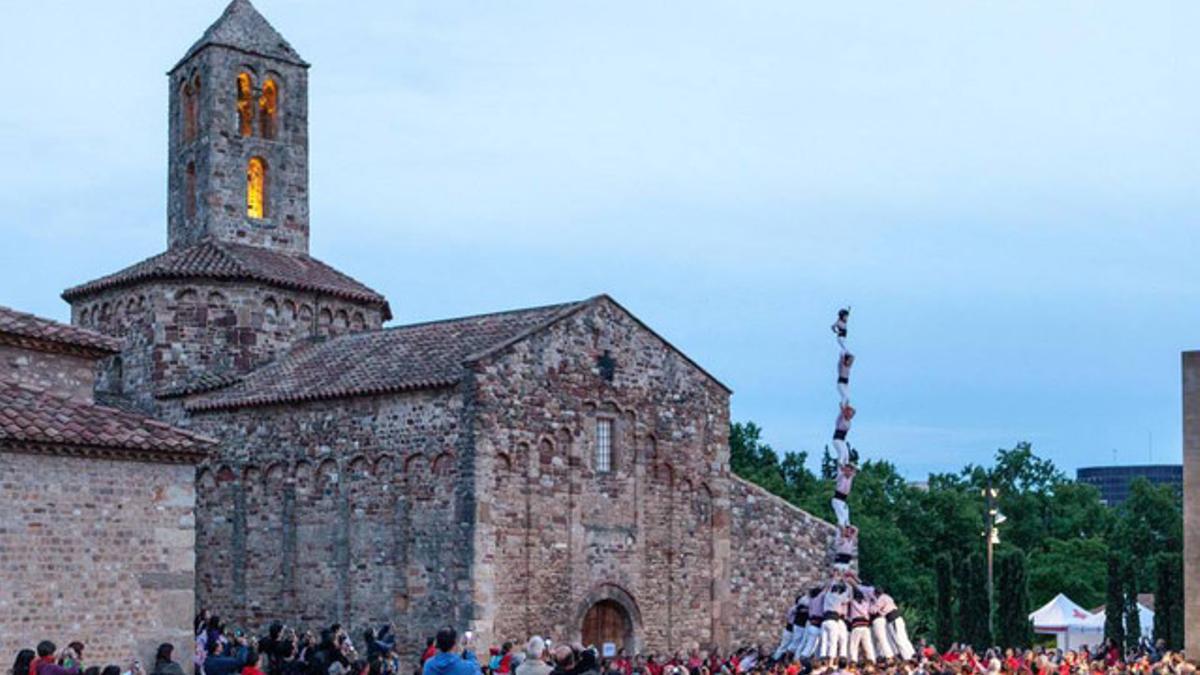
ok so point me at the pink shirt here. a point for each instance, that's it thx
(884, 604)
(859, 609)
(816, 606)
(847, 545)
(844, 481)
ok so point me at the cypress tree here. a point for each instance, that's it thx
(945, 602)
(1168, 599)
(973, 602)
(1012, 590)
(1114, 607)
(1133, 618)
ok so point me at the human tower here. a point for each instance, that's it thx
(844, 617)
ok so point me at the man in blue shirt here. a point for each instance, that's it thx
(447, 663)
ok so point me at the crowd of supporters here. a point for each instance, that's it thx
(334, 651)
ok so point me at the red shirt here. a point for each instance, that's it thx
(429, 652)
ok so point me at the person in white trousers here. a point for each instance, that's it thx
(897, 632)
(841, 427)
(841, 492)
(883, 644)
(835, 638)
(816, 615)
(845, 362)
(860, 628)
(789, 630)
(845, 549)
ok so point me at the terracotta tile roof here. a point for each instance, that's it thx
(32, 418)
(417, 356)
(211, 259)
(30, 329)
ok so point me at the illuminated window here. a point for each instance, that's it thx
(190, 193)
(256, 188)
(245, 105)
(267, 109)
(604, 445)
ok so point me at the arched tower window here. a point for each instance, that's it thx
(268, 109)
(256, 188)
(245, 105)
(189, 206)
(190, 106)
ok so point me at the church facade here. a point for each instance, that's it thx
(559, 470)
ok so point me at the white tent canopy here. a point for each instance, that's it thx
(1073, 625)
(1145, 618)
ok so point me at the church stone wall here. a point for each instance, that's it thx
(555, 534)
(356, 510)
(779, 552)
(96, 550)
(174, 332)
(64, 374)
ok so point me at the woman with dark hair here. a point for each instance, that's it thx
(21, 663)
(163, 665)
(111, 670)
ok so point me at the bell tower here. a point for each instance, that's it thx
(238, 149)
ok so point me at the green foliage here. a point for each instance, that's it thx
(1133, 619)
(974, 623)
(1075, 567)
(1061, 530)
(1012, 599)
(1114, 606)
(945, 602)
(1168, 599)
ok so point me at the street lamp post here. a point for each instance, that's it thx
(994, 518)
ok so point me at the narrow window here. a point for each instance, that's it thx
(604, 445)
(245, 105)
(267, 109)
(256, 188)
(194, 108)
(187, 105)
(190, 194)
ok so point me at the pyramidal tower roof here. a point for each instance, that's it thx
(241, 27)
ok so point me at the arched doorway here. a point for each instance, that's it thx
(607, 622)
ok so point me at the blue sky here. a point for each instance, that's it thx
(1005, 191)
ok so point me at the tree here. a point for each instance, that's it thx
(945, 602)
(1114, 608)
(1133, 619)
(1168, 599)
(1075, 567)
(974, 628)
(1012, 617)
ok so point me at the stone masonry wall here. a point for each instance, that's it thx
(96, 550)
(779, 551)
(1190, 367)
(556, 535)
(174, 332)
(64, 374)
(355, 510)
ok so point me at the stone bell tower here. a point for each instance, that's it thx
(238, 167)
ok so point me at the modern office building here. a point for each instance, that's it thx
(1113, 481)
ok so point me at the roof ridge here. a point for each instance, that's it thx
(486, 315)
(567, 310)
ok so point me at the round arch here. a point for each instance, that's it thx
(608, 613)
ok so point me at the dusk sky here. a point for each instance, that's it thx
(1006, 192)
